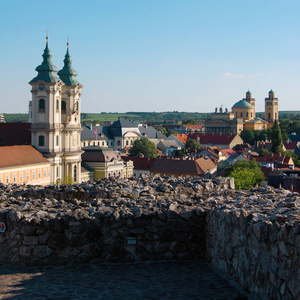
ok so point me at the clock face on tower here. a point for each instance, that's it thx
(41, 87)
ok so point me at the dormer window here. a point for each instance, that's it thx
(41, 105)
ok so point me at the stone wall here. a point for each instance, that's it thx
(252, 236)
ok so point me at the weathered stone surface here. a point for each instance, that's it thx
(253, 236)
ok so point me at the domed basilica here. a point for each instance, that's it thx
(242, 116)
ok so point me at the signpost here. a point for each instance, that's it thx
(2, 227)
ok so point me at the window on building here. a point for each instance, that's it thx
(27, 175)
(57, 104)
(56, 140)
(127, 143)
(56, 171)
(76, 106)
(41, 140)
(269, 116)
(63, 107)
(21, 176)
(0, 177)
(241, 115)
(40, 174)
(45, 173)
(247, 114)
(118, 143)
(33, 175)
(275, 115)
(41, 105)
(7, 178)
(48, 172)
(75, 174)
(14, 177)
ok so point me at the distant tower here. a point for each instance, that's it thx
(249, 98)
(271, 108)
(55, 117)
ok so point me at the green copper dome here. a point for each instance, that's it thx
(248, 93)
(242, 103)
(46, 71)
(67, 74)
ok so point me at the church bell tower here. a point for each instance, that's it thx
(55, 117)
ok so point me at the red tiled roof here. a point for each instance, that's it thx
(266, 171)
(12, 156)
(272, 158)
(290, 145)
(179, 166)
(221, 139)
(181, 137)
(140, 163)
(229, 152)
(15, 134)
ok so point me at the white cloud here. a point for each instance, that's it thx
(236, 76)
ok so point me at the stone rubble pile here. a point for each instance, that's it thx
(253, 236)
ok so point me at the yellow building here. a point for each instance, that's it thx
(23, 165)
(243, 116)
(106, 163)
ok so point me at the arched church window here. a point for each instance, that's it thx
(118, 143)
(127, 143)
(57, 104)
(42, 105)
(76, 106)
(241, 115)
(247, 114)
(41, 140)
(63, 106)
(269, 116)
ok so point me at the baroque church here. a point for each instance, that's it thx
(54, 114)
(243, 116)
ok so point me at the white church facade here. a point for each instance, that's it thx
(54, 114)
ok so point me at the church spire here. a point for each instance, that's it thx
(67, 74)
(46, 71)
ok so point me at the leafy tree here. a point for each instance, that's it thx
(143, 146)
(247, 136)
(264, 151)
(246, 174)
(172, 132)
(192, 145)
(276, 138)
(163, 130)
(179, 153)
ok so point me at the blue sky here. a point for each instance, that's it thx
(148, 55)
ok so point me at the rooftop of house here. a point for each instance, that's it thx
(181, 137)
(290, 145)
(96, 154)
(140, 163)
(15, 134)
(183, 166)
(214, 139)
(13, 156)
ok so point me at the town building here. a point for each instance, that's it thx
(243, 116)
(107, 163)
(24, 165)
(222, 141)
(2, 119)
(54, 114)
(119, 135)
(184, 167)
